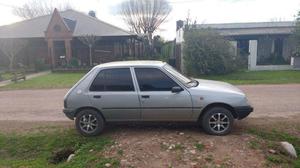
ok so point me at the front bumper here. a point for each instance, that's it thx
(69, 113)
(243, 111)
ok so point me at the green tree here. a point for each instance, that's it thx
(162, 49)
(207, 52)
(296, 36)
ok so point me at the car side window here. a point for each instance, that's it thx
(152, 79)
(113, 80)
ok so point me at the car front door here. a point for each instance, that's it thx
(158, 102)
(113, 92)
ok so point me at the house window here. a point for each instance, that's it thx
(243, 46)
(278, 47)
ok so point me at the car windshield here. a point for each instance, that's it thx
(180, 77)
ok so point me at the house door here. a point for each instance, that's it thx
(60, 53)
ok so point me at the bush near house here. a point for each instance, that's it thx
(207, 52)
(166, 49)
(40, 65)
(161, 50)
(296, 36)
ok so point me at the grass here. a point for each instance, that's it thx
(35, 150)
(50, 81)
(272, 139)
(254, 144)
(67, 80)
(178, 147)
(275, 159)
(258, 77)
(199, 146)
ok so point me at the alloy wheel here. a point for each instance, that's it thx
(219, 122)
(88, 123)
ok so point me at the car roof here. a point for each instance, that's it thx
(132, 63)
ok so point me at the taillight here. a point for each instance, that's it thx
(65, 103)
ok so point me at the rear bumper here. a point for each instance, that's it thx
(69, 113)
(243, 111)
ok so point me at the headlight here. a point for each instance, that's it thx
(248, 101)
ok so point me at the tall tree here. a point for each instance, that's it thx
(35, 8)
(145, 16)
(10, 48)
(90, 41)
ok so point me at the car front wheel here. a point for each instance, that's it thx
(89, 122)
(217, 121)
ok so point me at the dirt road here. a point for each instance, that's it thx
(46, 105)
(274, 100)
(164, 146)
(32, 105)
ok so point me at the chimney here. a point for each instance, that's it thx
(92, 13)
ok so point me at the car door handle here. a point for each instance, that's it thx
(97, 96)
(145, 96)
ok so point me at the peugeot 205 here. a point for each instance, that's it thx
(134, 91)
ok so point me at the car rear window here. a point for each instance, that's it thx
(113, 80)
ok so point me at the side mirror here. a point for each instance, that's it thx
(176, 89)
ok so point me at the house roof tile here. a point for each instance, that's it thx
(80, 23)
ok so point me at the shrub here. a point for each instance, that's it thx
(74, 63)
(296, 37)
(165, 51)
(40, 65)
(207, 52)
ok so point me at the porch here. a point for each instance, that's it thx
(265, 52)
(78, 55)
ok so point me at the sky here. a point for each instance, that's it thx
(204, 11)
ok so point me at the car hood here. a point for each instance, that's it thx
(217, 86)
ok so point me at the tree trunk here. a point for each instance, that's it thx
(11, 62)
(11, 66)
(150, 40)
(91, 57)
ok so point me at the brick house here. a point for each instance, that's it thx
(55, 39)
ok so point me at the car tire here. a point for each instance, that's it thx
(89, 122)
(217, 121)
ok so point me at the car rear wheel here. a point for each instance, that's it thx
(89, 122)
(217, 121)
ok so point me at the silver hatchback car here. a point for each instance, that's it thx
(133, 91)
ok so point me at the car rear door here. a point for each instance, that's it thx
(113, 92)
(158, 103)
